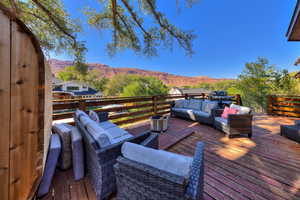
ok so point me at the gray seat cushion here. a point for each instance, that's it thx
(65, 159)
(116, 134)
(221, 120)
(207, 106)
(98, 133)
(77, 154)
(107, 125)
(201, 113)
(163, 160)
(186, 103)
(79, 113)
(179, 104)
(51, 162)
(195, 104)
(180, 110)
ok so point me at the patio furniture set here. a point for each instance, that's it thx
(234, 120)
(114, 160)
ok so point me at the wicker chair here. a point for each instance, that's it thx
(236, 124)
(99, 162)
(136, 181)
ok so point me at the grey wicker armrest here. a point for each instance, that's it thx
(139, 181)
(133, 177)
(196, 181)
(238, 120)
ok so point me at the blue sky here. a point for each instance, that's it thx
(229, 34)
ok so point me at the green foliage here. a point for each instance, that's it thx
(95, 79)
(92, 77)
(116, 85)
(134, 85)
(260, 79)
(125, 19)
(221, 85)
(56, 31)
(68, 74)
(50, 23)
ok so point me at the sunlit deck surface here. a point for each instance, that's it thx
(264, 167)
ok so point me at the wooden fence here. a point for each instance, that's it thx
(123, 110)
(284, 105)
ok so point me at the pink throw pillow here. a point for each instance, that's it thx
(228, 111)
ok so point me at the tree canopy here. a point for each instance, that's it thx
(260, 79)
(91, 77)
(125, 19)
(135, 85)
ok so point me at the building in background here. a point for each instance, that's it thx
(183, 91)
(74, 89)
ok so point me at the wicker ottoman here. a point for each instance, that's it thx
(291, 131)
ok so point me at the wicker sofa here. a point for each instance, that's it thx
(139, 181)
(195, 109)
(99, 160)
(235, 124)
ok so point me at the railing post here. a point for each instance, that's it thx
(186, 96)
(270, 105)
(203, 96)
(154, 103)
(238, 99)
(82, 105)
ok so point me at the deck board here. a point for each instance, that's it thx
(261, 168)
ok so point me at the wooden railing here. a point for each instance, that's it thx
(283, 105)
(123, 110)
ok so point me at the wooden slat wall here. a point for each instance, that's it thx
(284, 105)
(22, 109)
(4, 105)
(136, 108)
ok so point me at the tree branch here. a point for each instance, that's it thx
(114, 11)
(158, 19)
(127, 27)
(52, 18)
(134, 17)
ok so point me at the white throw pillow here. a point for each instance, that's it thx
(94, 116)
(242, 110)
(166, 161)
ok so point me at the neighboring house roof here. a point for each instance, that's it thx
(293, 33)
(191, 90)
(90, 91)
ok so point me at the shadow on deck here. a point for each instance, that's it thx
(264, 167)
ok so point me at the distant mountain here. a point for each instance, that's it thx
(107, 71)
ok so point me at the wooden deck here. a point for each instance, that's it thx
(264, 167)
